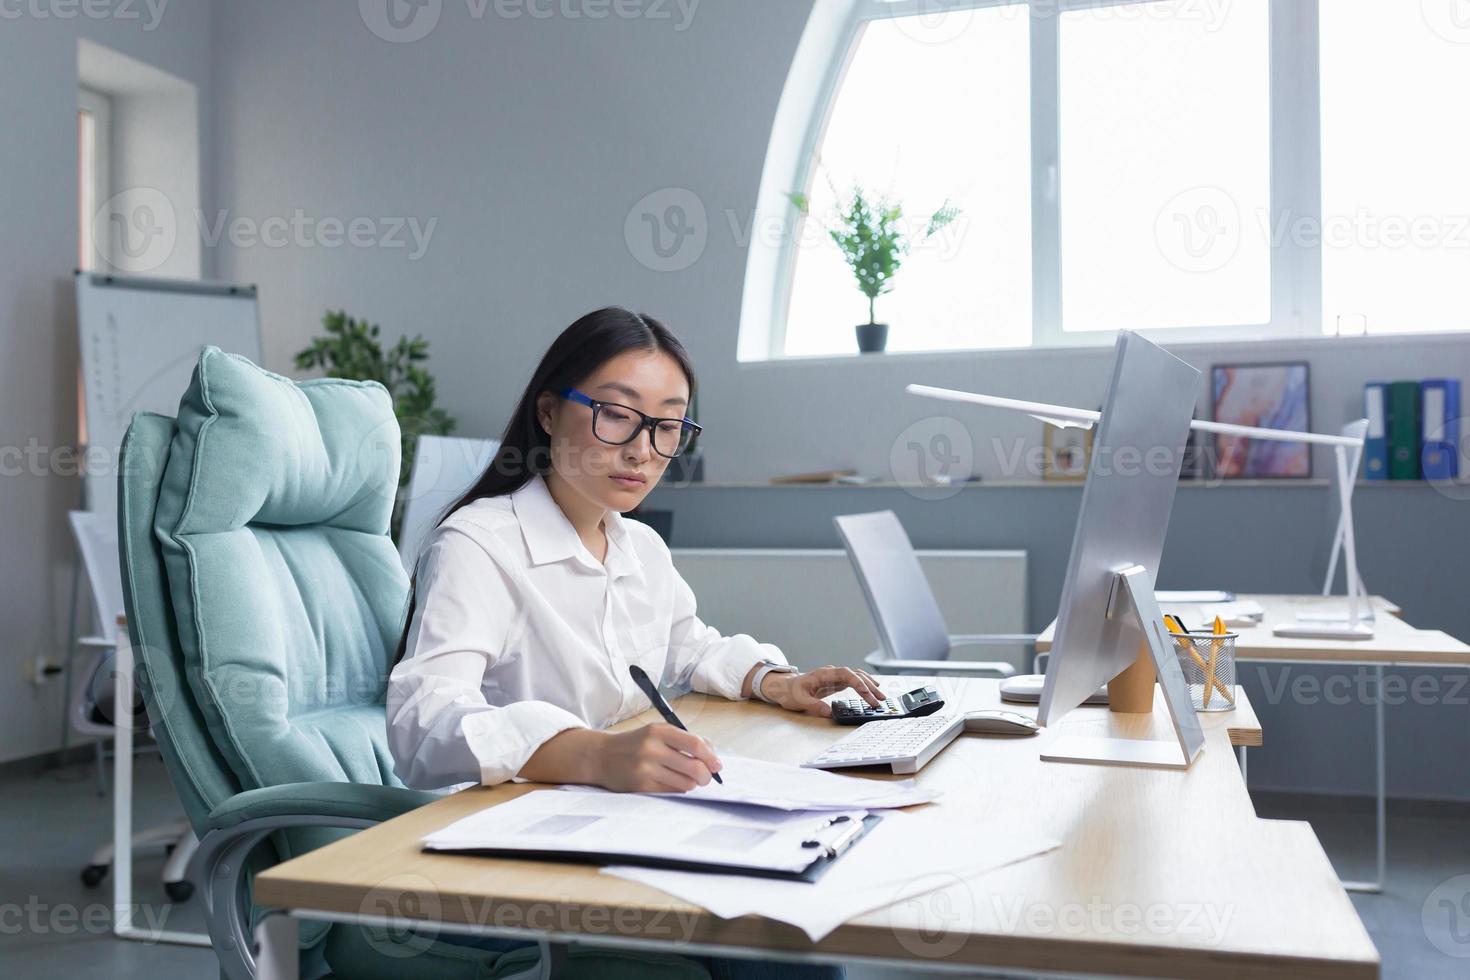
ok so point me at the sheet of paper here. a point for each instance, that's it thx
(1198, 596)
(1244, 612)
(783, 787)
(904, 856)
(641, 826)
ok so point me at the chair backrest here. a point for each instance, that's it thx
(444, 467)
(263, 593)
(96, 535)
(197, 769)
(910, 625)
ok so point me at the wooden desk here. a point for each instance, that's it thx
(1160, 873)
(1394, 644)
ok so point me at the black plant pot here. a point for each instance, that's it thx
(872, 337)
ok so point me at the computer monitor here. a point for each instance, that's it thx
(1108, 610)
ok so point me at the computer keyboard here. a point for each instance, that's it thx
(904, 744)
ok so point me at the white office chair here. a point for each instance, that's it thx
(90, 702)
(910, 626)
(443, 468)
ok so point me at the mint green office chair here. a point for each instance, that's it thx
(264, 601)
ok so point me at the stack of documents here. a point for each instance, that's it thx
(797, 845)
(1241, 614)
(606, 827)
(905, 856)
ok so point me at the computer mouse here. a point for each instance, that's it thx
(1000, 723)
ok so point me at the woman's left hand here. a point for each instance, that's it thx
(805, 692)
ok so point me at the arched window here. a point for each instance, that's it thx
(931, 112)
(1112, 162)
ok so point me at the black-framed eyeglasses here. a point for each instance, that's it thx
(618, 425)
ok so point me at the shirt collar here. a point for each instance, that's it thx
(622, 557)
(550, 536)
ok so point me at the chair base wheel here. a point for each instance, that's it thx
(179, 891)
(93, 874)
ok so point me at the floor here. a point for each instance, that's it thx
(51, 926)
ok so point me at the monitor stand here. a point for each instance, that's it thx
(1133, 598)
(1358, 623)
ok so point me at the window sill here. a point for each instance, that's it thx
(1105, 341)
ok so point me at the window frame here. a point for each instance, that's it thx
(99, 107)
(833, 35)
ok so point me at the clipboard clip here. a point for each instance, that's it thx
(850, 833)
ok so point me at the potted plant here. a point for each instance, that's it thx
(351, 349)
(869, 231)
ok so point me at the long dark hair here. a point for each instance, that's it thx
(525, 447)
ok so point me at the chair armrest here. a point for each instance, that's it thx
(351, 801)
(245, 819)
(951, 668)
(992, 640)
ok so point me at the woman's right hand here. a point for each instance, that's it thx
(658, 758)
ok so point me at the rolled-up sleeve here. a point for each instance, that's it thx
(702, 658)
(441, 729)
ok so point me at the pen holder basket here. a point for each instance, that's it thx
(1208, 662)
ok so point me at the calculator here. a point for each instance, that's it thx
(917, 703)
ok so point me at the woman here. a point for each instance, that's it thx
(535, 595)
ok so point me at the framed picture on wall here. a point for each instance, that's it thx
(1068, 452)
(1271, 396)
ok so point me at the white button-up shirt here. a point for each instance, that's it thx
(519, 634)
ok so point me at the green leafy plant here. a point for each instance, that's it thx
(869, 231)
(353, 349)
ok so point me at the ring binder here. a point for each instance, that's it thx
(843, 841)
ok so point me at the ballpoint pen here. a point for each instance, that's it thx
(1175, 626)
(1217, 629)
(645, 683)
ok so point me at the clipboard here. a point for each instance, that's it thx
(828, 846)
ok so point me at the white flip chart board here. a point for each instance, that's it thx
(140, 339)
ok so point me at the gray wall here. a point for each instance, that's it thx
(38, 347)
